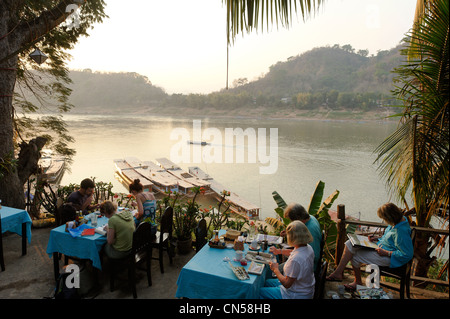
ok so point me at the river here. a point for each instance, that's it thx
(340, 153)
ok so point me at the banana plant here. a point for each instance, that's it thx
(317, 208)
(279, 223)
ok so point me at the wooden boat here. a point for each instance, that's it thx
(127, 172)
(52, 166)
(167, 176)
(238, 204)
(163, 179)
(181, 174)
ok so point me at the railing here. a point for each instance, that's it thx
(342, 237)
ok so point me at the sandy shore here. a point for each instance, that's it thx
(274, 113)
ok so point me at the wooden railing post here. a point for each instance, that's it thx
(341, 233)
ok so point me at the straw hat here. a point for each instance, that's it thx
(298, 233)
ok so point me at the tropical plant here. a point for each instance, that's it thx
(279, 223)
(219, 217)
(186, 216)
(317, 208)
(414, 160)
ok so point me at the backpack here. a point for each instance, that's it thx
(64, 292)
(86, 284)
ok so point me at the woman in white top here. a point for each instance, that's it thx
(298, 279)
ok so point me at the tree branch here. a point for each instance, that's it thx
(29, 32)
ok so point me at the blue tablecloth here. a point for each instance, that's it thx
(84, 247)
(12, 220)
(207, 276)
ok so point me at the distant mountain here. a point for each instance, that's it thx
(329, 68)
(94, 91)
(333, 77)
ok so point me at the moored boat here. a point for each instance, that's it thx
(52, 166)
(238, 205)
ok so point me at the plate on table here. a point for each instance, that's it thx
(254, 249)
(255, 268)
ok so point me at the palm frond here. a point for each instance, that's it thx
(415, 157)
(247, 15)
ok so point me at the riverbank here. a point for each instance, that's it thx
(273, 113)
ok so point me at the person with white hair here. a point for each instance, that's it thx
(298, 280)
(295, 211)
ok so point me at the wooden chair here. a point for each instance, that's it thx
(65, 213)
(402, 273)
(142, 250)
(200, 235)
(2, 260)
(320, 281)
(163, 238)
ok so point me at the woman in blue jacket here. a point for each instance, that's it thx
(395, 247)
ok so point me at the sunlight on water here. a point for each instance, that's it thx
(338, 153)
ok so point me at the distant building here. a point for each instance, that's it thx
(286, 100)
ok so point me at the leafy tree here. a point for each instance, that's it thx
(24, 26)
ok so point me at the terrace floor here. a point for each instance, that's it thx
(31, 276)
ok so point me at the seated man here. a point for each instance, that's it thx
(83, 197)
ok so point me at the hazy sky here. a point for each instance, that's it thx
(181, 45)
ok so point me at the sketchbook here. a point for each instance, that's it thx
(362, 241)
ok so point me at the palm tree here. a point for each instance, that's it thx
(415, 158)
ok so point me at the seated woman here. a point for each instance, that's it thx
(146, 204)
(395, 247)
(119, 231)
(298, 279)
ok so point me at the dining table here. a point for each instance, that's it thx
(16, 221)
(209, 275)
(86, 247)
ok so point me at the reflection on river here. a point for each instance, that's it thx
(338, 153)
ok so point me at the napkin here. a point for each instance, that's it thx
(100, 230)
(78, 231)
(88, 232)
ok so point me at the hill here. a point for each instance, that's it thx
(325, 79)
(330, 68)
(107, 91)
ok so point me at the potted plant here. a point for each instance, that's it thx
(185, 221)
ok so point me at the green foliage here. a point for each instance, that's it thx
(415, 158)
(7, 164)
(46, 88)
(280, 222)
(316, 207)
(112, 91)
